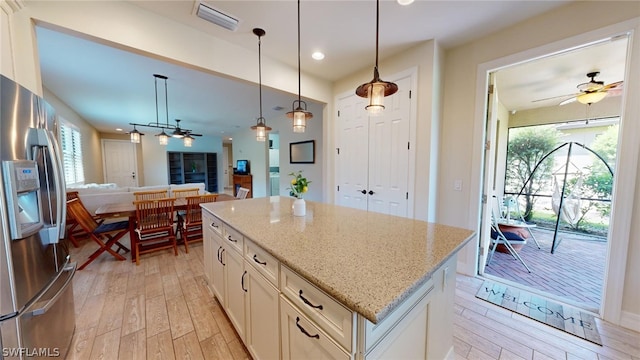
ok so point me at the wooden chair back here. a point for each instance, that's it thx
(154, 215)
(72, 195)
(183, 193)
(193, 214)
(150, 195)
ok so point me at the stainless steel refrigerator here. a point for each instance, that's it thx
(37, 317)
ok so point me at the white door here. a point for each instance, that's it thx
(352, 160)
(225, 166)
(372, 160)
(120, 162)
(389, 154)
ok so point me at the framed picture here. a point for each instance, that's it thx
(302, 152)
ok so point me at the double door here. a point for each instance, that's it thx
(373, 153)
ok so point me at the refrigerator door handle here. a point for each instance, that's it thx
(58, 173)
(43, 310)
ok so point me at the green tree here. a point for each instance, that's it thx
(526, 148)
(598, 183)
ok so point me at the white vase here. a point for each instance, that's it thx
(299, 207)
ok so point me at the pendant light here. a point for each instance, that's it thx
(376, 89)
(299, 114)
(261, 128)
(187, 140)
(134, 135)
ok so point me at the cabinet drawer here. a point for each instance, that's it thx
(233, 238)
(266, 264)
(330, 315)
(302, 339)
(212, 222)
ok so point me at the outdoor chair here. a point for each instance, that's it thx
(106, 235)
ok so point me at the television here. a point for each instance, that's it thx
(242, 167)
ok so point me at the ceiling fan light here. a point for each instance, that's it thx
(591, 97)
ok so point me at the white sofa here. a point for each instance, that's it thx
(95, 195)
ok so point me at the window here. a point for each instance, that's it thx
(71, 143)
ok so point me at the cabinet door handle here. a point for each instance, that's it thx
(371, 192)
(214, 225)
(222, 252)
(242, 281)
(319, 307)
(364, 192)
(219, 255)
(230, 239)
(317, 336)
(255, 258)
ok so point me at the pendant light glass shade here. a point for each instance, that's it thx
(134, 135)
(163, 138)
(299, 114)
(376, 89)
(261, 128)
(187, 140)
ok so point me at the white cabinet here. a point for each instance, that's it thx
(262, 336)
(235, 289)
(373, 153)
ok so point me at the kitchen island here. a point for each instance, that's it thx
(337, 283)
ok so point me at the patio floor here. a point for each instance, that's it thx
(574, 273)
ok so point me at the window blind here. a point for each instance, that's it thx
(71, 140)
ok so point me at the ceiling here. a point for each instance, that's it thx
(110, 87)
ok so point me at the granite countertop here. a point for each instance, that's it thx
(369, 262)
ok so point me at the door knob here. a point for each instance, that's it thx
(364, 192)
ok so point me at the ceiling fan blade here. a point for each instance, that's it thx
(615, 85)
(554, 97)
(569, 101)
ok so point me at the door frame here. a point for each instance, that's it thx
(104, 160)
(622, 211)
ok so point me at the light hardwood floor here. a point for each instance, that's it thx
(162, 309)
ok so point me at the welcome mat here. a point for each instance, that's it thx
(565, 318)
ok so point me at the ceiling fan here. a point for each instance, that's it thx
(180, 133)
(591, 91)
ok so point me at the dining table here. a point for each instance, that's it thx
(128, 210)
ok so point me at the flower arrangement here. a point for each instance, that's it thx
(299, 184)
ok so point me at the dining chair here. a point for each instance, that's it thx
(154, 226)
(505, 239)
(106, 235)
(242, 193)
(150, 194)
(181, 194)
(192, 224)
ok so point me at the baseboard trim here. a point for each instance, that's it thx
(630, 321)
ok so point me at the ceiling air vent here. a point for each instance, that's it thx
(210, 14)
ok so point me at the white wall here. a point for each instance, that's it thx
(463, 112)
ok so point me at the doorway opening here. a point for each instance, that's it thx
(550, 165)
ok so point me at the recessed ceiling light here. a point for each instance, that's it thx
(405, 2)
(118, 129)
(317, 55)
(230, 138)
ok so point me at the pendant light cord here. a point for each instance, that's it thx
(166, 101)
(157, 116)
(260, 71)
(299, 91)
(377, 28)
